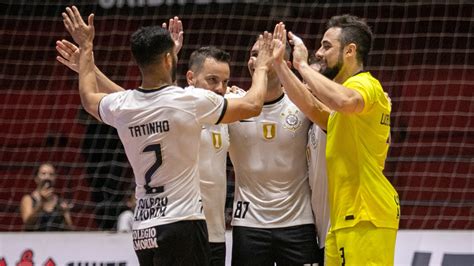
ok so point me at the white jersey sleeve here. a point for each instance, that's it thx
(207, 106)
(108, 104)
(316, 155)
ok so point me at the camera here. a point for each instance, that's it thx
(46, 184)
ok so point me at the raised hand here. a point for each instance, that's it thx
(82, 33)
(264, 58)
(279, 42)
(46, 193)
(66, 206)
(69, 54)
(176, 30)
(300, 52)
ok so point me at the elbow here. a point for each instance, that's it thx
(340, 105)
(87, 106)
(255, 109)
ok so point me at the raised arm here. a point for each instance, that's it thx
(83, 35)
(333, 95)
(251, 104)
(70, 58)
(295, 89)
(175, 27)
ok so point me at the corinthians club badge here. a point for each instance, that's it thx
(292, 121)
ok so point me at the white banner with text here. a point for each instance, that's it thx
(414, 247)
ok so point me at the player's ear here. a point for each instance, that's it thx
(351, 49)
(169, 60)
(190, 77)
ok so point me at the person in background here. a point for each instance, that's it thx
(43, 210)
(125, 219)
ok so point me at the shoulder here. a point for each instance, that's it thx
(364, 81)
(27, 200)
(115, 98)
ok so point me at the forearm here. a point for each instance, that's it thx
(299, 94)
(104, 84)
(68, 220)
(90, 97)
(333, 95)
(256, 94)
(87, 78)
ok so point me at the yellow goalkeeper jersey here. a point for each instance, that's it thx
(357, 146)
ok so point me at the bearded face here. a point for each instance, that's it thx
(331, 72)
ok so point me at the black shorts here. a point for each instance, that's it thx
(217, 254)
(180, 243)
(294, 245)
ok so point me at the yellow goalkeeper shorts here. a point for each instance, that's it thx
(363, 244)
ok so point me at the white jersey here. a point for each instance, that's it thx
(213, 173)
(318, 180)
(212, 168)
(160, 130)
(269, 158)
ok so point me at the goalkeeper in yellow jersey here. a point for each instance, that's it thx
(364, 205)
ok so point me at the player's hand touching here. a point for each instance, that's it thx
(264, 58)
(69, 54)
(175, 27)
(300, 52)
(279, 42)
(234, 89)
(82, 33)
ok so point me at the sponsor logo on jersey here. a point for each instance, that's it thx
(217, 140)
(151, 208)
(144, 239)
(269, 130)
(292, 121)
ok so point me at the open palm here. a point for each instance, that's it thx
(81, 32)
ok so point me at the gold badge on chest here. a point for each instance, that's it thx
(217, 140)
(269, 130)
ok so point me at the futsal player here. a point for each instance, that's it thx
(364, 205)
(272, 219)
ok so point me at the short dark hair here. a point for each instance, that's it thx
(198, 57)
(354, 30)
(148, 43)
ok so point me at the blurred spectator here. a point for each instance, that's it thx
(125, 219)
(43, 210)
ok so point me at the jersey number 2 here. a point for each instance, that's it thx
(157, 149)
